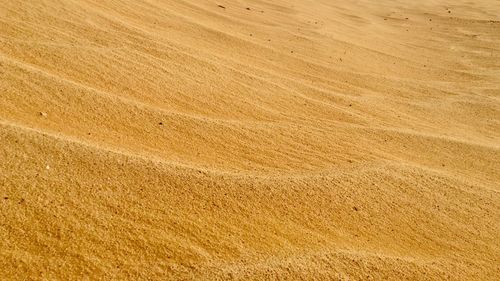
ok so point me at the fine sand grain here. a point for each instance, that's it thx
(249, 140)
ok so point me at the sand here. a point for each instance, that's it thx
(249, 140)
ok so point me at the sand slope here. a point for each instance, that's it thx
(250, 139)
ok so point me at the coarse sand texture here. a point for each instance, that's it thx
(249, 140)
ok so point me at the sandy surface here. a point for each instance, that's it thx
(250, 139)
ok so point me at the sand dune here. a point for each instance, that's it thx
(249, 139)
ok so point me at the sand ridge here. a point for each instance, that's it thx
(249, 140)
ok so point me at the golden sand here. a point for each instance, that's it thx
(249, 139)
